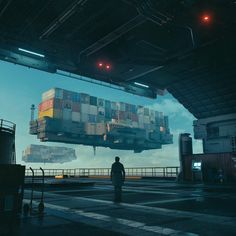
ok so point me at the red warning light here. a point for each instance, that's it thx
(100, 64)
(108, 67)
(206, 18)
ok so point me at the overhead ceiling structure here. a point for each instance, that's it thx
(143, 46)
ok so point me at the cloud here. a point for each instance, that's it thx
(172, 108)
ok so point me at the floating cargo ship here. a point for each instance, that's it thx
(78, 118)
(47, 154)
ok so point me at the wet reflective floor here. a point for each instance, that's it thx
(149, 207)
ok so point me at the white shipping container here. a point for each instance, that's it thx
(53, 93)
(66, 114)
(75, 116)
(93, 110)
(85, 108)
(84, 117)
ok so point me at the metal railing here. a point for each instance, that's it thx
(105, 172)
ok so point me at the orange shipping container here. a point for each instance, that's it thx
(53, 113)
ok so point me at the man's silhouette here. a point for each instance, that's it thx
(117, 178)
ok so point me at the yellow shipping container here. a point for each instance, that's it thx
(54, 113)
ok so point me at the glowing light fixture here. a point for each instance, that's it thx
(206, 18)
(142, 85)
(30, 52)
(108, 67)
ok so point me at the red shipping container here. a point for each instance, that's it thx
(76, 107)
(48, 104)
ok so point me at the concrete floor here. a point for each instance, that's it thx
(149, 207)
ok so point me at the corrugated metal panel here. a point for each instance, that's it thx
(67, 114)
(146, 119)
(67, 104)
(101, 102)
(90, 128)
(121, 106)
(93, 101)
(75, 116)
(54, 113)
(101, 111)
(85, 108)
(93, 110)
(135, 124)
(121, 115)
(92, 118)
(100, 118)
(76, 97)
(140, 110)
(113, 106)
(84, 117)
(100, 128)
(114, 114)
(146, 111)
(51, 103)
(53, 93)
(84, 98)
(67, 95)
(76, 107)
(107, 104)
(134, 117)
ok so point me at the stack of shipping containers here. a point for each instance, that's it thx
(46, 154)
(98, 115)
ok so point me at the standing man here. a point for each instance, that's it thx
(117, 178)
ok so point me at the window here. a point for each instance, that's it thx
(212, 132)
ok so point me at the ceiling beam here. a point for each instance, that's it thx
(62, 18)
(3, 10)
(117, 33)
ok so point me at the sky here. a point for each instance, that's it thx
(21, 86)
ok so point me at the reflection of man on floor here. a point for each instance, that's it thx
(117, 178)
